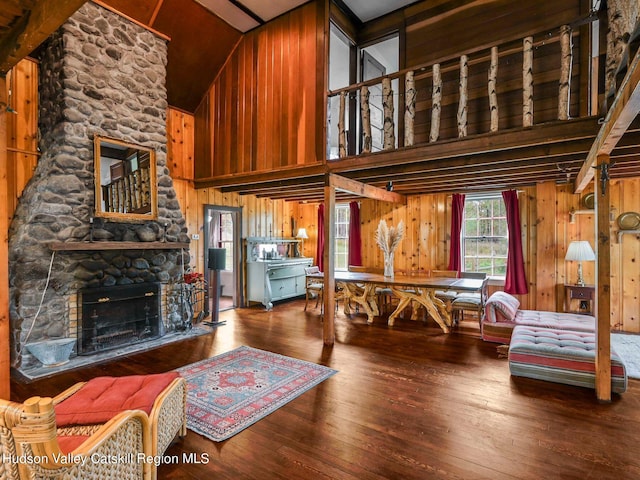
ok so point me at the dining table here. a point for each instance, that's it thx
(360, 288)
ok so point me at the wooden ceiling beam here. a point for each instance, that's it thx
(620, 116)
(32, 28)
(255, 178)
(360, 189)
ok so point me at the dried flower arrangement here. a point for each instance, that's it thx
(388, 240)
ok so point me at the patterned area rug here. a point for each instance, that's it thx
(627, 346)
(229, 392)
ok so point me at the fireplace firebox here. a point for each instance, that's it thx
(117, 316)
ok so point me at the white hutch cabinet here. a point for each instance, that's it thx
(273, 271)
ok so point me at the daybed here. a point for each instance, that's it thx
(551, 346)
(502, 314)
(561, 356)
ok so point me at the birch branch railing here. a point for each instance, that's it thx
(129, 194)
(409, 77)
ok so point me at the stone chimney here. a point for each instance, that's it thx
(99, 74)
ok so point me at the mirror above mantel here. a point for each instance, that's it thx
(125, 181)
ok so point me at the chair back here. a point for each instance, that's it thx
(312, 270)
(357, 268)
(444, 273)
(479, 275)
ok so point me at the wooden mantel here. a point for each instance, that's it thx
(93, 246)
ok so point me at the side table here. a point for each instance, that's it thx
(584, 293)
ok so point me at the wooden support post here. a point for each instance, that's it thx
(4, 247)
(527, 82)
(603, 280)
(493, 94)
(436, 104)
(566, 59)
(409, 109)
(366, 119)
(462, 105)
(328, 321)
(389, 141)
(342, 136)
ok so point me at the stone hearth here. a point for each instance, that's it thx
(100, 74)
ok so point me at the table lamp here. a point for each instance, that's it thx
(302, 234)
(580, 251)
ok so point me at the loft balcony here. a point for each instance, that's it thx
(505, 115)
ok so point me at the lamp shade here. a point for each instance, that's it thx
(217, 258)
(580, 251)
(302, 233)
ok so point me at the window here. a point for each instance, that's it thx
(226, 238)
(342, 237)
(484, 235)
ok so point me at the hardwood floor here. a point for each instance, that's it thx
(409, 402)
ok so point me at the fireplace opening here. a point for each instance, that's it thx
(117, 316)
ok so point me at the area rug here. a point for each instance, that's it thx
(229, 392)
(627, 346)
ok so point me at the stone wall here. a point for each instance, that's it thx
(99, 75)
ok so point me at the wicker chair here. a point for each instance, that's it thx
(166, 409)
(32, 449)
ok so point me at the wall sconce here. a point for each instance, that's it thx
(572, 215)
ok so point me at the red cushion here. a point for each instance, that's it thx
(101, 398)
(68, 443)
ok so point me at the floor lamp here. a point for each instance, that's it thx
(217, 262)
(580, 251)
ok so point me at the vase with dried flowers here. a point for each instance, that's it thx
(388, 239)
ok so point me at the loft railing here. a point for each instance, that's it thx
(362, 117)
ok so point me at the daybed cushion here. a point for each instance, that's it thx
(500, 332)
(560, 356)
(501, 307)
(101, 398)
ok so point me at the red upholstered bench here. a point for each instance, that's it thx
(84, 407)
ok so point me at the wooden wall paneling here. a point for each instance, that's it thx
(232, 118)
(22, 127)
(225, 125)
(630, 255)
(566, 200)
(244, 100)
(281, 140)
(4, 250)
(263, 95)
(617, 280)
(426, 243)
(546, 246)
(412, 248)
(203, 135)
(265, 113)
(313, 113)
(528, 219)
(180, 144)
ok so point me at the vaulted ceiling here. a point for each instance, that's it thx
(204, 32)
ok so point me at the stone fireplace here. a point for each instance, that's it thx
(100, 74)
(120, 315)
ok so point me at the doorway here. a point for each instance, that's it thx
(222, 229)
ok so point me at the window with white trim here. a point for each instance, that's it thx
(342, 237)
(485, 235)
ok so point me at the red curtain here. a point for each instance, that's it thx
(516, 279)
(457, 212)
(320, 244)
(355, 239)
